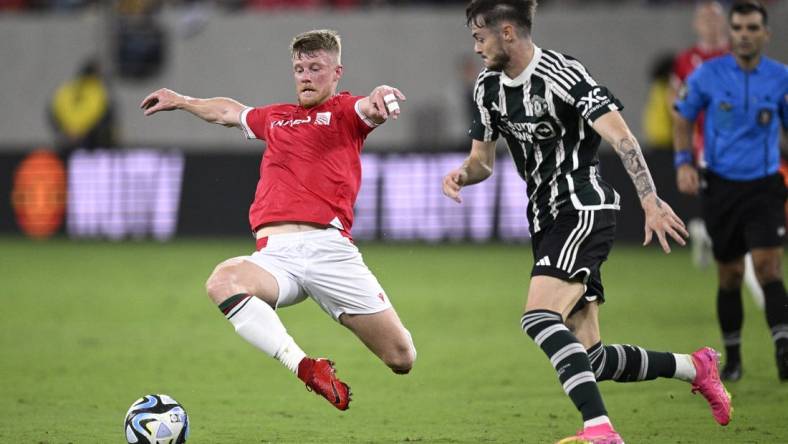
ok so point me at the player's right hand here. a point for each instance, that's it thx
(453, 183)
(687, 179)
(161, 100)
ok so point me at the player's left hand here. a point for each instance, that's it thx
(384, 99)
(661, 219)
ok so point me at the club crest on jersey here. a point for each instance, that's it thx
(323, 118)
(536, 107)
(291, 122)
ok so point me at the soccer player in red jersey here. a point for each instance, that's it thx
(711, 28)
(302, 215)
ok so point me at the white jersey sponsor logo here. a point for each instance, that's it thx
(323, 118)
(593, 101)
(291, 122)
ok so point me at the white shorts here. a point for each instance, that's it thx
(325, 266)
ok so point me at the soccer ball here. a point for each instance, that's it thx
(156, 419)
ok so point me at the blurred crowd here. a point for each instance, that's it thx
(230, 5)
(236, 5)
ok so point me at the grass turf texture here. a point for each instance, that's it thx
(86, 328)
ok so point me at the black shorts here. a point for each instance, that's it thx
(742, 215)
(573, 249)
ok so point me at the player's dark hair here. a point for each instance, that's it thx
(491, 13)
(745, 7)
(315, 40)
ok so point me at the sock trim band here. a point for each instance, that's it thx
(580, 378)
(233, 304)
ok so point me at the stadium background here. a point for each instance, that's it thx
(111, 319)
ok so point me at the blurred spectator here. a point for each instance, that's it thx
(140, 8)
(459, 97)
(11, 5)
(657, 119)
(282, 4)
(711, 28)
(139, 39)
(302, 4)
(67, 5)
(81, 111)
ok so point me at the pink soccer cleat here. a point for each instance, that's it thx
(601, 434)
(707, 382)
(319, 376)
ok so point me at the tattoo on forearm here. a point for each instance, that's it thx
(629, 152)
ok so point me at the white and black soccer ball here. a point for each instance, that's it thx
(156, 419)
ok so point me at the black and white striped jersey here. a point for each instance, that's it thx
(545, 115)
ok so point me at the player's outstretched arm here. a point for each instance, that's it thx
(660, 218)
(476, 168)
(218, 110)
(381, 103)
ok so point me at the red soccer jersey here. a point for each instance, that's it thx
(686, 62)
(311, 168)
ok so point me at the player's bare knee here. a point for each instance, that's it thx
(401, 360)
(215, 286)
(222, 283)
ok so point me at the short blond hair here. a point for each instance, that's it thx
(315, 40)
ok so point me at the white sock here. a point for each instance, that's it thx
(685, 368)
(258, 323)
(599, 420)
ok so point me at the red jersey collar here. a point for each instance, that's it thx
(331, 100)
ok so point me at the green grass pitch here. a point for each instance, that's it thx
(88, 327)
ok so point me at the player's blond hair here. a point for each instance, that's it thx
(309, 42)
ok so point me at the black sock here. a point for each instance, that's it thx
(731, 316)
(777, 311)
(630, 363)
(569, 359)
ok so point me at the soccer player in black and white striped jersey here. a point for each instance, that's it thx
(553, 116)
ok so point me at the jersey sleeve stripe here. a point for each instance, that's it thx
(554, 75)
(577, 67)
(561, 64)
(245, 125)
(484, 113)
(569, 68)
(555, 86)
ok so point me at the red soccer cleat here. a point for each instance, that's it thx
(707, 382)
(319, 376)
